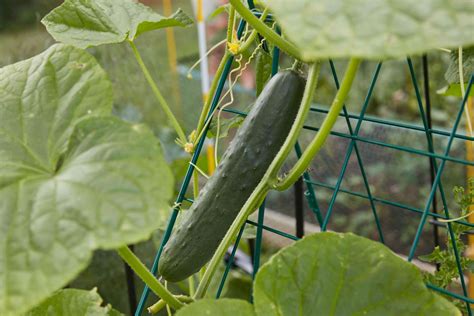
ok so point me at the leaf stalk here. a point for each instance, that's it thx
(141, 270)
(164, 105)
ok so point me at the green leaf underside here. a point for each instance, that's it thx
(219, 10)
(85, 23)
(373, 29)
(73, 179)
(226, 124)
(221, 307)
(343, 274)
(73, 302)
(452, 73)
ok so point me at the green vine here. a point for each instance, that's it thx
(230, 24)
(141, 270)
(158, 306)
(244, 46)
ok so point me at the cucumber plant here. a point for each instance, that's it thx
(447, 273)
(75, 179)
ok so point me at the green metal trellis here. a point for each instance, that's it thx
(354, 140)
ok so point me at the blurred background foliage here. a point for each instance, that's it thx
(19, 14)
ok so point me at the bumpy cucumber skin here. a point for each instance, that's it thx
(243, 165)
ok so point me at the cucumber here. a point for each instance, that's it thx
(243, 165)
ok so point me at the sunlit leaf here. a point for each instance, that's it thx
(86, 23)
(222, 307)
(74, 179)
(334, 274)
(73, 302)
(343, 274)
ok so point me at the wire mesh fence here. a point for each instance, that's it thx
(348, 178)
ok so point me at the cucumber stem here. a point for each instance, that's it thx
(157, 93)
(264, 30)
(139, 268)
(257, 196)
(253, 35)
(297, 65)
(320, 138)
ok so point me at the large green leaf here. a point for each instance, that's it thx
(40, 100)
(222, 307)
(334, 274)
(373, 28)
(86, 23)
(73, 302)
(71, 181)
(343, 274)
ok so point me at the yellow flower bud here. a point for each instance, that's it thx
(233, 47)
(189, 148)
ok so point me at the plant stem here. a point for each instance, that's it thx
(263, 187)
(230, 24)
(217, 75)
(249, 41)
(212, 90)
(158, 94)
(159, 289)
(155, 308)
(264, 30)
(191, 285)
(320, 138)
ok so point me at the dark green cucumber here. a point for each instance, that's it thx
(243, 165)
